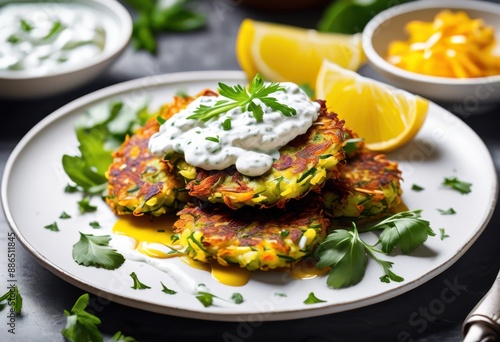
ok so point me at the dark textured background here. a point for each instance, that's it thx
(416, 315)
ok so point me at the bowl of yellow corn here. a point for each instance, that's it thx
(447, 51)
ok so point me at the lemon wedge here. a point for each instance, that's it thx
(384, 116)
(283, 53)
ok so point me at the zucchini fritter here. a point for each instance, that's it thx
(368, 187)
(250, 237)
(305, 164)
(138, 181)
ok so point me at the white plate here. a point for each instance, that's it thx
(32, 197)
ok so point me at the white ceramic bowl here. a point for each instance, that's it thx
(27, 84)
(389, 25)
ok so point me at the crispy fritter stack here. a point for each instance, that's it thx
(265, 222)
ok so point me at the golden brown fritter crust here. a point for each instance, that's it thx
(305, 164)
(138, 181)
(368, 187)
(250, 237)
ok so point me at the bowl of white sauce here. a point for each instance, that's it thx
(53, 46)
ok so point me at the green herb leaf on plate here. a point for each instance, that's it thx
(167, 290)
(405, 229)
(344, 252)
(53, 227)
(442, 234)
(458, 185)
(237, 298)
(94, 250)
(312, 299)
(449, 211)
(137, 284)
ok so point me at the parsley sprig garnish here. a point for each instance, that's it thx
(347, 254)
(239, 96)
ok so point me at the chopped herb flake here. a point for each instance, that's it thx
(167, 290)
(458, 185)
(237, 298)
(312, 299)
(95, 224)
(64, 215)
(137, 284)
(53, 227)
(450, 211)
(443, 234)
(416, 187)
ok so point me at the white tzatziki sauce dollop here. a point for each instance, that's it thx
(42, 37)
(250, 145)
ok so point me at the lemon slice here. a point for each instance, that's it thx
(283, 53)
(384, 116)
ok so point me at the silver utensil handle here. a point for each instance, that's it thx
(487, 311)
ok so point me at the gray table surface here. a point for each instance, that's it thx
(413, 316)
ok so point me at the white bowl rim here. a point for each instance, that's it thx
(126, 33)
(377, 20)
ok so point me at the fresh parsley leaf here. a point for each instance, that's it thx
(64, 215)
(205, 298)
(88, 170)
(119, 337)
(405, 229)
(137, 284)
(237, 298)
(155, 16)
(85, 206)
(100, 130)
(53, 227)
(70, 189)
(95, 224)
(92, 250)
(239, 96)
(167, 290)
(458, 185)
(13, 299)
(312, 299)
(344, 252)
(214, 139)
(416, 187)
(386, 265)
(442, 234)
(450, 211)
(347, 254)
(81, 326)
